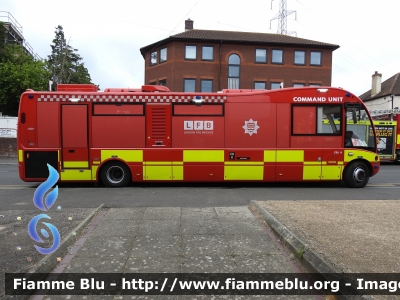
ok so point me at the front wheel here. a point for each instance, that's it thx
(115, 174)
(356, 175)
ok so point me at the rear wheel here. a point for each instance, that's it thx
(115, 174)
(356, 175)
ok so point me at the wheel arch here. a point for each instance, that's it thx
(366, 162)
(109, 161)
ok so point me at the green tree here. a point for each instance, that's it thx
(19, 71)
(65, 63)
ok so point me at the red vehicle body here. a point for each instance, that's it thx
(152, 134)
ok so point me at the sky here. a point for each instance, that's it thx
(109, 34)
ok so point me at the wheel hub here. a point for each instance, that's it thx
(359, 174)
(115, 174)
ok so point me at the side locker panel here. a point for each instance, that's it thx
(331, 167)
(158, 125)
(48, 120)
(74, 137)
(283, 125)
(250, 125)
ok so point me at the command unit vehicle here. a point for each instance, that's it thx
(151, 134)
(388, 133)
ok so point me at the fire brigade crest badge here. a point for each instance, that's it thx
(250, 127)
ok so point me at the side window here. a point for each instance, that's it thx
(259, 85)
(153, 58)
(163, 55)
(316, 120)
(315, 58)
(190, 52)
(189, 85)
(206, 85)
(121, 109)
(276, 85)
(233, 71)
(261, 56)
(207, 53)
(304, 120)
(277, 56)
(299, 57)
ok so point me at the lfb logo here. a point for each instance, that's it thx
(45, 205)
(250, 127)
(198, 125)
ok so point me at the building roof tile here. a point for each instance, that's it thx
(390, 86)
(240, 37)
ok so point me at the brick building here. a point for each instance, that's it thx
(210, 60)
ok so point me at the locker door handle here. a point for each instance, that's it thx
(71, 151)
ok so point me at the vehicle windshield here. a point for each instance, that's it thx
(359, 129)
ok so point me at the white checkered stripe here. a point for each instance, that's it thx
(130, 98)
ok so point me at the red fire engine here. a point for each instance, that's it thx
(151, 134)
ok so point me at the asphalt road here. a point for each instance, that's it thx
(16, 194)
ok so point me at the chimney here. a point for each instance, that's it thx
(376, 83)
(188, 25)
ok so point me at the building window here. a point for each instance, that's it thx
(207, 53)
(163, 55)
(276, 85)
(233, 71)
(259, 85)
(162, 82)
(316, 119)
(189, 85)
(261, 56)
(190, 52)
(314, 84)
(206, 85)
(298, 84)
(153, 83)
(277, 56)
(153, 58)
(315, 58)
(299, 57)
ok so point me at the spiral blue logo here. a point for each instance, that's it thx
(44, 202)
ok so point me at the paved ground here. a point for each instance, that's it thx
(350, 236)
(179, 240)
(17, 248)
(355, 236)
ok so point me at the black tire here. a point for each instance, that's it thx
(115, 174)
(356, 175)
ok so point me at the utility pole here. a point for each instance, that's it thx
(282, 18)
